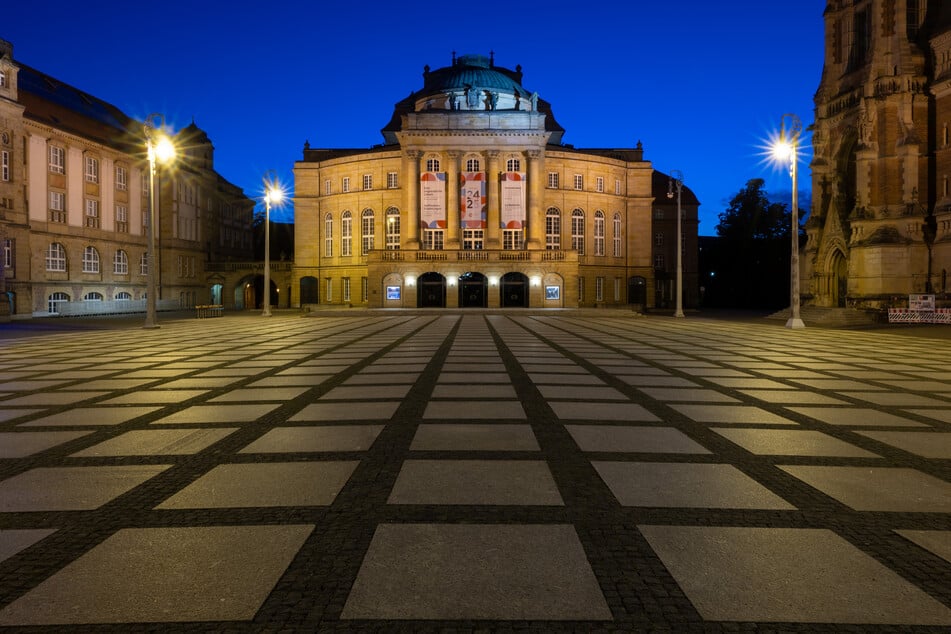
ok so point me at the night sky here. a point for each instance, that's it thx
(701, 84)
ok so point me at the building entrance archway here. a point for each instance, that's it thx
(472, 290)
(514, 290)
(431, 292)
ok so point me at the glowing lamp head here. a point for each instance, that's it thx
(783, 151)
(274, 196)
(164, 150)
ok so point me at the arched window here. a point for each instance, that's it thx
(56, 258)
(328, 235)
(473, 165)
(577, 231)
(92, 297)
(599, 232)
(617, 235)
(54, 301)
(346, 234)
(120, 263)
(552, 229)
(90, 260)
(123, 296)
(393, 229)
(432, 164)
(513, 165)
(367, 231)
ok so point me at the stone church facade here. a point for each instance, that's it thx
(473, 200)
(880, 228)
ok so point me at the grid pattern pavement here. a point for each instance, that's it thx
(466, 471)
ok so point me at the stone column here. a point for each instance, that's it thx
(452, 206)
(410, 220)
(535, 214)
(493, 217)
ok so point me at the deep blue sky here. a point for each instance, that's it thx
(701, 84)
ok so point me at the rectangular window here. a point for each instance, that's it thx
(617, 235)
(617, 289)
(659, 261)
(579, 182)
(580, 290)
(346, 289)
(92, 213)
(57, 160)
(392, 180)
(617, 186)
(8, 255)
(658, 214)
(364, 290)
(433, 239)
(658, 239)
(328, 187)
(57, 207)
(599, 289)
(367, 181)
(553, 180)
(513, 239)
(345, 185)
(92, 170)
(328, 236)
(122, 178)
(122, 219)
(473, 239)
(4, 165)
(328, 282)
(599, 184)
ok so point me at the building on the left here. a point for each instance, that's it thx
(74, 205)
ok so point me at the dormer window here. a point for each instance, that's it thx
(3, 78)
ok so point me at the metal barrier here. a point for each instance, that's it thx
(209, 310)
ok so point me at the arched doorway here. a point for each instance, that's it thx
(514, 289)
(432, 291)
(839, 274)
(637, 291)
(472, 290)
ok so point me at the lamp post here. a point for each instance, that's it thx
(159, 148)
(677, 180)
(783, 149)
(272, 193)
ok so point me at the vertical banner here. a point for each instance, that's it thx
(513, 201)
(432, 194)
(472, 200)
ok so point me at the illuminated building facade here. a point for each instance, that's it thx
(880, 228)
(472, 200)
(74, 201)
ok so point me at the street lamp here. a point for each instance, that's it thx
(272, 194)
(788, 149)
(159, 148)
(677, 180)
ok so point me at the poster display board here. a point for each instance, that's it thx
(513, 201)
(432, 204)
(472, 202)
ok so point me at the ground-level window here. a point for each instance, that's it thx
(599, 289)
(329, 288)
(123, 296)
(55, 301)
(92, 297)
(364, 290)
(346, 289)
(580, 290)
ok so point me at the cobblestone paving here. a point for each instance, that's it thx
(474, 471)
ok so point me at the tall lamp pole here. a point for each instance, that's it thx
(159, 148)
(272, 193)
(789, 148)
(677, 180)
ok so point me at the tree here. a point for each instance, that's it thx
(750, 261)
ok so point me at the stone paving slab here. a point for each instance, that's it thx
(475, 471)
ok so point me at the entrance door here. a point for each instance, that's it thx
(840, 286)
(514, 291)
(432, 291)
(472, 290)
(637, 291)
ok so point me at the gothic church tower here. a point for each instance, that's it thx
(881, 223)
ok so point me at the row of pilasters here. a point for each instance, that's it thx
(493, 239)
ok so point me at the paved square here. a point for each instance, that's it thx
(470, 470)
(786, 574)
(474, 572)
(207, 573)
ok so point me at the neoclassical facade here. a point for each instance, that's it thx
(472, 200)
(74, 200)
(880, 228)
